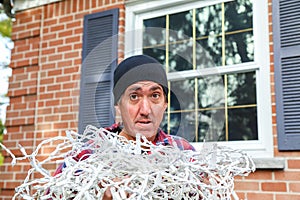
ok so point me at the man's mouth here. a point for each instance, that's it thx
(144, 122)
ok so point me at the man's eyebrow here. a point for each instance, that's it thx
(156, 87)
(134, 88)
(138, 88)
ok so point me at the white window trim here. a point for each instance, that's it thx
(138, 10)
(25, 4)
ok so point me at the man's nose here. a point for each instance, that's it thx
(145, 107)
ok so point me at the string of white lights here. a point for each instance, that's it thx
(131, 169)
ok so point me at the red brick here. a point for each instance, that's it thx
(29, 135)
(62, 94)
(65, 33)
(19, 106)
(287, 175)
(287, 197)
(260, 175)
(29, 83)
(65, 19)
(20, 77)
(64, 48)
(294, 164)
(56, 42)
(55, 72)
(48, 51)
(68, 117)
(55, 57)
(49, 36)
(258, 196)
(50, 22)
(53, 87)
(46, 81)
(63, 79)
(246, 185)
(294, 187)
(68, 101)
(35, 24)
(274, 186)
(73, 39)
(32, 69)
(12, 114)
(52, 103)
(50, 134)
(58, 27)
(74, 24)
(21, 176)
(27, 113)
(51, 118)
(46, 96)
(7, 194)
(60, 125)
(61, 109)
(69, 85)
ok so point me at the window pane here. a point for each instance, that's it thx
(181, 26)
(211, 92)
(213, 52)
(242, 124)
(241, 89)
(211, 99)
(209, 32)
(181, 124)
(239, 48)
(238, 15)
(182, 95)
(239, 32)
(211, 125)
(180, 56)
(154, 31)
(209, 21)
(159, 54)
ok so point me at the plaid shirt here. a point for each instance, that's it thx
(161, 139)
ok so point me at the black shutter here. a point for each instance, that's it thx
(99, 59)
(286, 38)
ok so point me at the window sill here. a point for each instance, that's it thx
(269, 163)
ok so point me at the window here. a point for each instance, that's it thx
(217, 60)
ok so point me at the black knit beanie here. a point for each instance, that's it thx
(138, 68)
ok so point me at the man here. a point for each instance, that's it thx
(140, 91)
(140, 96)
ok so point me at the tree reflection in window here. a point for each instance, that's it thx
(214, 107)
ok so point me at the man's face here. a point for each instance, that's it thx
(142, 107)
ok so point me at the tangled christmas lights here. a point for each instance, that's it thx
(132, 169)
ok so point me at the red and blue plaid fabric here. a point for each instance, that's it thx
(161, 139)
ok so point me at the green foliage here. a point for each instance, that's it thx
(2, 128)
(6, 27)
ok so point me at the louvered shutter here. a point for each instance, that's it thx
(286, 38)
(99, 59)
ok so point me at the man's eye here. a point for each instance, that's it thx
(156, 95)
(133, 97)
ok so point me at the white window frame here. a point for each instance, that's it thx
(137, 11)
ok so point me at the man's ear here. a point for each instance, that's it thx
(117, 109)
(165, 105)
(118, 117)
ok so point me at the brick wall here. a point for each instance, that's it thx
(44, 91)
(44, 87)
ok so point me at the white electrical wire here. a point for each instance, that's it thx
(132, 169)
